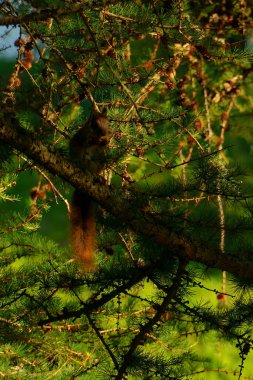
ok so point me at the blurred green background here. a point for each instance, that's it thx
(54, 225)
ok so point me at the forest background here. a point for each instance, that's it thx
(176, 81)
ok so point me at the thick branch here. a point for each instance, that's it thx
(117, 204)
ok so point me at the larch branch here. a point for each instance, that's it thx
(119, 205)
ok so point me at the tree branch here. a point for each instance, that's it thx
(119, 205)
(43, 15)
(148, 326)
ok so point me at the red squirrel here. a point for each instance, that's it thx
(87, 147)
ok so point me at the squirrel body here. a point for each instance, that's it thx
(87, 148)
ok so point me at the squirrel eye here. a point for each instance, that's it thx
(103, 141)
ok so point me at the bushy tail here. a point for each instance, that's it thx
(83, 229)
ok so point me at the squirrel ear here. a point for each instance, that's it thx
(104, 111)
(96, 114)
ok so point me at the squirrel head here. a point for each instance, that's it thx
(100, 125)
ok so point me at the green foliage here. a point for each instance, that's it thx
(175, 79)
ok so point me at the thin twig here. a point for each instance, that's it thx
(30, 163)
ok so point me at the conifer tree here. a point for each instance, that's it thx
(173, 206)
